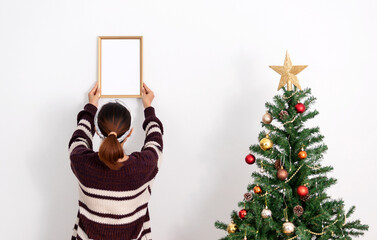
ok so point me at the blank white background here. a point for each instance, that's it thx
(207, 62)
(120, 67)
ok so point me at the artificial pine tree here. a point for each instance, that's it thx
(287, 199)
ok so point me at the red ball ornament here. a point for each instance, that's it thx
(300, 108)
(242, 213)
(302, 191)
(250, 159)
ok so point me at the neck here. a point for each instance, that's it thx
(125, 158)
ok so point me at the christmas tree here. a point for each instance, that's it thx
(288, 198)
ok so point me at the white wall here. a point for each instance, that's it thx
(207, 62)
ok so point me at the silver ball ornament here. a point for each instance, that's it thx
(266, 213)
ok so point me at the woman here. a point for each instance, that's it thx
(114, 188)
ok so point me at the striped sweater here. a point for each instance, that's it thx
(113, 204)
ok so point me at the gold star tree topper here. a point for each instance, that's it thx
(288, 73)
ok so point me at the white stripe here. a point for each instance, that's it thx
(115, 207)
(113, 221)
(154, 147)
(74, 145)
(86, 123)
(152, 143)
(146, 225)
(150, 124)
(118, 194)
(148, 236)
(85, 130)
(154, 129)
(82, 234)
(159, 153)
(82, 140)
(159, 161)
(74, 230)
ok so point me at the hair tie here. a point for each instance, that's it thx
(112, 133)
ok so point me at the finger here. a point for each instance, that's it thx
(93, 91)
(98, 92)
(143, 90)
(95, 87)
(147, 88)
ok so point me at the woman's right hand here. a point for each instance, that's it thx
(147, 97)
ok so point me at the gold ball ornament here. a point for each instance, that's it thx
(267, 118)
(232, 227)
(266, 143)
(266, 213)
(288, 228)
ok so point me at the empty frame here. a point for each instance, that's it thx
(120, 66)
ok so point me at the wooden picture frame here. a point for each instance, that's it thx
(120, 66)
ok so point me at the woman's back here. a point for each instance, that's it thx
(113, 204)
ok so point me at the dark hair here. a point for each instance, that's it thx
(113, 117)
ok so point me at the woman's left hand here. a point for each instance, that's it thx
(94, 95)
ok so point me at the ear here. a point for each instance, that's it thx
(129, 135)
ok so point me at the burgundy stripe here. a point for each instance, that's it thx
(86, 126)
(108, 215)
(82, 134)
(155, 136)
(112, 198)
(152, 119)
(79, 134)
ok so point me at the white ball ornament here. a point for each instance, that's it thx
(266, 213)
(288, 228)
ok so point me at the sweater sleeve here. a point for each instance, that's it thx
(81, 145)
(153, 144)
